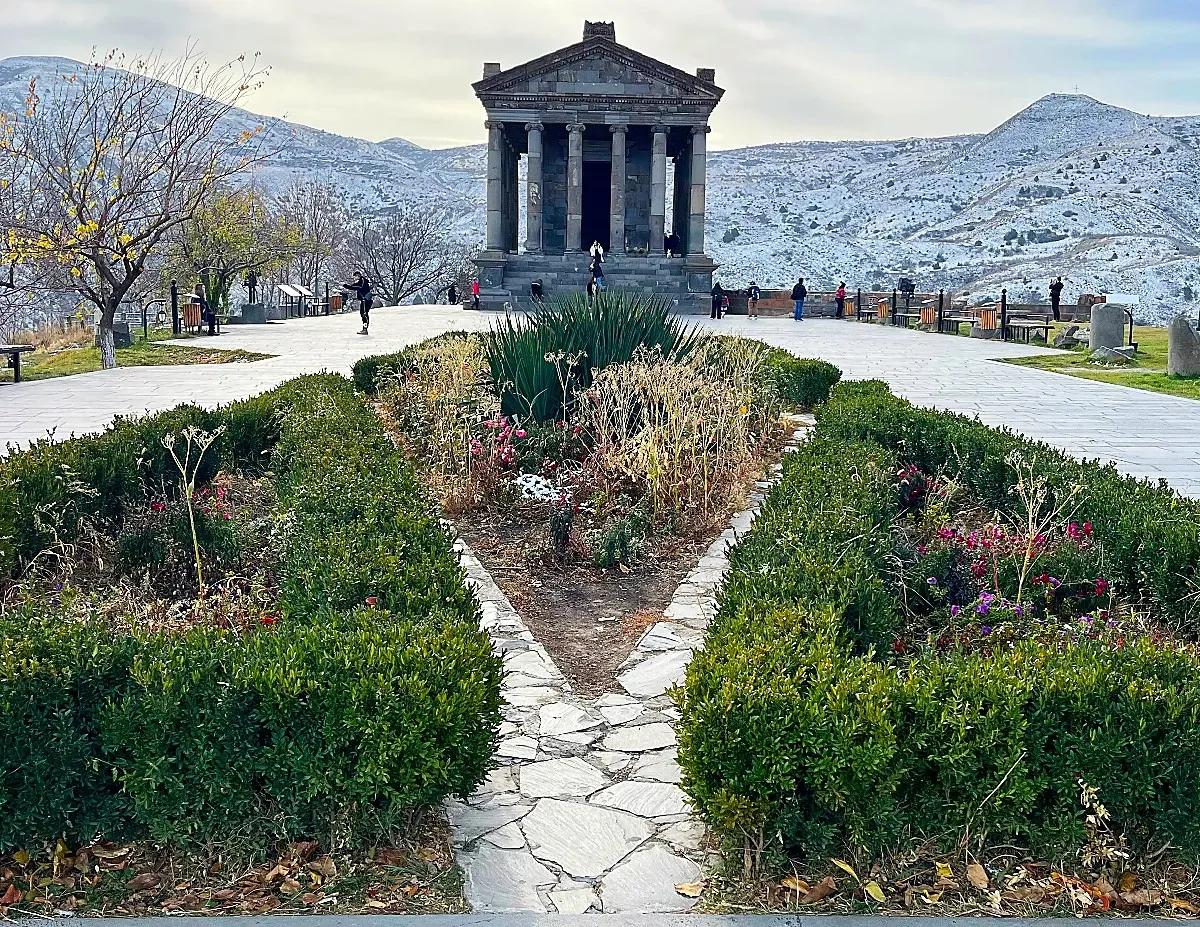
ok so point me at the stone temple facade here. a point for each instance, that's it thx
(598, 124)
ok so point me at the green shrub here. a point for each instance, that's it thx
(801, 382)
(337, 721)
(622, 542)
(369, 373)
(797, 727)
(539, 365)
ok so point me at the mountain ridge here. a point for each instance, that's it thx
(1069, 185)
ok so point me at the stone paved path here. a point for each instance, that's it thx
(583, 810)
(1145, 434)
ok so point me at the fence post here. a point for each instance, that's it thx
(175, 328)
(895, 305)
(327, 297)
(1004, 315)
(941, 310)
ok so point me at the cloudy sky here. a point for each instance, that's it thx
(793, 69)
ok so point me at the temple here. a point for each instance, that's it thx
(607, 133)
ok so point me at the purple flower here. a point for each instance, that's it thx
(955, 611)
(983, 608)
(932, 580)
(985, 630)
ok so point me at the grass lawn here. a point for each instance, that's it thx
(41, 365)
(1149, 371)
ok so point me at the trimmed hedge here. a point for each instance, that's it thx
(801, 382)
(794, 729)
(340, 718)
(370, 373)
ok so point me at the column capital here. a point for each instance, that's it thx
(534, 127)
(701, 130)
(576, 127)
(619, 129)
(659, 129)
(493, 124)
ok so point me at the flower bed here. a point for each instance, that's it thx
(939, 634)
(366, 692)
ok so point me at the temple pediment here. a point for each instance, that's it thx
(598, 67)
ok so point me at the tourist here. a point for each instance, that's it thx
(474, 294)
(752, 296)
(799, 295)
(724, 305)
(673, 246)
(597, 264)
(361, 288)
(452, 294)
(535, 291)
(591, 290)
(840, 297)
(207, 316)
(718, 299)
(1056, 288)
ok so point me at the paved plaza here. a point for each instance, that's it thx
(1143, 433)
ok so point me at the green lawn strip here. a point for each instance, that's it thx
(1148, 371)
(38, 366)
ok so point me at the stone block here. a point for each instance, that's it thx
(1108, 326)
(1183, 348)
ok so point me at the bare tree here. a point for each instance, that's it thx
(317, 212)
(406, 252)
(114, 158)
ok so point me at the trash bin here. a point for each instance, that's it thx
(336, 301)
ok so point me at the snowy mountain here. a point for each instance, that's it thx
(1106, 197)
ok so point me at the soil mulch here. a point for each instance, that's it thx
(588, 619)
(140, 879)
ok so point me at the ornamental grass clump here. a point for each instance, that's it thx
(678, 435)
(540, 365)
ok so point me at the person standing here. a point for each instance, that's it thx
(840, 298)
(753, 293)
(360, 286)
(207, 316)
(596, 267)
(452, 294)
(591, 290)
(1056, 289)
(799, 295)
(718, 298)
(474, 294)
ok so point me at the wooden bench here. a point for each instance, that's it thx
(955, 322)
(1026, 326)
(14, 352)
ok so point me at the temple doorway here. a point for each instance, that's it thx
(597, 183)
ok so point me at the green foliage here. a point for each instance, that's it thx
(539, 365)
(375, 694)
(796, 727)
(801, 382)
(621, 542)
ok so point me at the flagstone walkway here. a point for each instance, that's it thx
(583, 810)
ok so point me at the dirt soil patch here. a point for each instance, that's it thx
(589, 620)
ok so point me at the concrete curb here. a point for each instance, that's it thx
(562, 920)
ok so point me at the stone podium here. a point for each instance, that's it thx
(607, 134)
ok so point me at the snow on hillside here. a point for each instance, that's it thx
(1106, 197)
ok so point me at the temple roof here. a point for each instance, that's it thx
(597, 68)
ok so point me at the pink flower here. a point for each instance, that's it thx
(157, 507)
(520, 433)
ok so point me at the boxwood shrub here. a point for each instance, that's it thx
(795, 731)
(339, 720)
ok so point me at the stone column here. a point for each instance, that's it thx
(696, 210)
(575, 187)
(533, 185)
(616, 228)
(658, 190)
(495, 186)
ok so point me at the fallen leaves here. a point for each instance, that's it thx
(875, 891)
(690, 889)
(978, 877)
(819, 892)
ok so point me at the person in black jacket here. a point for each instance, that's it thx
(753, 294)
(799, 295)
(1056, 289)
(452, 294)
(361, 288)
(718, 299)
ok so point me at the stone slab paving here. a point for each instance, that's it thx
(583, 811)
(1142, 433)
(88, 402)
